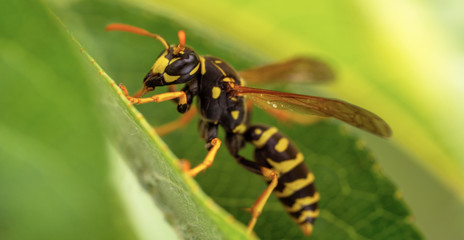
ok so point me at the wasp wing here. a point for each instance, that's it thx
(296, 70)
(325, 107)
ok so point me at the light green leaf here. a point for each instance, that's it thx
(53, 163)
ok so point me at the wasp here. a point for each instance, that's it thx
(222, 101)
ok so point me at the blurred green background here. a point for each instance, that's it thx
(401, 59)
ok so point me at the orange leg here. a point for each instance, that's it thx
(156, 98)
(172, 94)
(207, 162)
(176, 124)
(258, 206)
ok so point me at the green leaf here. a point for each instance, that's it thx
(53, 165)
(357, 201)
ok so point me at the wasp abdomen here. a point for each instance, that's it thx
(295, 187)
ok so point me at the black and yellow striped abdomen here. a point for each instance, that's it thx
(295, 187)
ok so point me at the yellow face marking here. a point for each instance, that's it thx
(168, 78)
(258, 131)
(160, 65)
(281, 145)
(203, 66)
(195, 70)
(307, 228)
(217, 61)
(301, 202)
(235, 114)
(239, 129)
(216, 92)
(296, 185)
(220, 69)
(265, 137)
(287, 165)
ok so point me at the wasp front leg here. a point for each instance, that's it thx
(156, 98)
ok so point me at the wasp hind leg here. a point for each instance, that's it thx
(270, 175)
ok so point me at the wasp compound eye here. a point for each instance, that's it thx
(183, 65)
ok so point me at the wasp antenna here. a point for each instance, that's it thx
(181, 46)
(136, 30)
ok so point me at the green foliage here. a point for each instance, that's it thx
(53, 167)
(53, 140)
(347, 178)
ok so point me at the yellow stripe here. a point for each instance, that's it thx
(195, 69)
(228, 79)
(308, 213)
(203, 66)
(301, 202)
(287, 165)
(296, 185)
(168, 78)
(265, 137)
(281, 145)
(220, 69)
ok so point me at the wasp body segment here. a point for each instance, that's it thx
(216, 103)
(295, 188)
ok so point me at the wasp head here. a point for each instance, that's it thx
(172, 68)
(175, 65)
